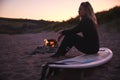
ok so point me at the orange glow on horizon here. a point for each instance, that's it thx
(53, 10)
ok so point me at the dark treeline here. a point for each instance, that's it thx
(19, 26)
(110, 15)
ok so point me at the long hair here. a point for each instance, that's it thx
(89, 11)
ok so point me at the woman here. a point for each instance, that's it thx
(88, 42)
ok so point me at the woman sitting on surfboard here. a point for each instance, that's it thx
(88, 42)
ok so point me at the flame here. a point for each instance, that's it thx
(49, 43)
(52, 43)
(46, 42)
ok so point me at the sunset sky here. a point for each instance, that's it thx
(54, 10)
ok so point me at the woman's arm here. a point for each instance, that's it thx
(84, 25)
(74, 30)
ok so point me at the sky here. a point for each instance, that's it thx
(53, 10)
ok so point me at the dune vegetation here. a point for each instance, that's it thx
(110, 18)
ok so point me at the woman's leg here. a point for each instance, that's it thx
(65, 46)
(79, 43)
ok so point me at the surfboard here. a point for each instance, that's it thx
(85, 61)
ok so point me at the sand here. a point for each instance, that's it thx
(17, 64)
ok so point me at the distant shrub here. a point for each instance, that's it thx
(107, 16)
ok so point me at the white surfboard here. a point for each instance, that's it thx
(85, 60)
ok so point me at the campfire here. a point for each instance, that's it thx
(50, 43)
(50, 46)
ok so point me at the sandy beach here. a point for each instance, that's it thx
(17, 64)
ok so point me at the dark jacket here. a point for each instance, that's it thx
(90, 40)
